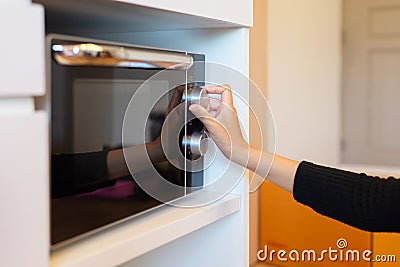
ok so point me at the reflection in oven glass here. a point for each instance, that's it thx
(92, 188)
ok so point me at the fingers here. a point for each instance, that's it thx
(223, 90)
(217, 89)
(176, 98)
(201, 113)
(214, 103)
(216, 106)
(180, 88)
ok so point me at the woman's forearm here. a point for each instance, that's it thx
(281, 172)
(221, 120)
(116, 163)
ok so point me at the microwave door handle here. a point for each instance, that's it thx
(95, 55)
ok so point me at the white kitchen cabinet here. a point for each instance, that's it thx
(100, 16)
(24, 224)
(24, 171)
(148, 233)
(21, 46)
(239, 12)
(218, 234)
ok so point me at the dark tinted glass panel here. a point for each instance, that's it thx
(88, 106)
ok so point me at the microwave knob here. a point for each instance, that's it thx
(196, 145)
(196, 95)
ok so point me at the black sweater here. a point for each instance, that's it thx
(366, 202)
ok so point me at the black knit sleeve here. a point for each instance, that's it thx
(79, 173)
(366, 202)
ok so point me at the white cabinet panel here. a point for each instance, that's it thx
(384, 94)
(238, 11)
(22, 49)
(384, 21)
(147, 233)
(24, 224)
(371, 62)
(22, 105)
(101, 16)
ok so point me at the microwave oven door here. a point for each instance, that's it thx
(91, 90)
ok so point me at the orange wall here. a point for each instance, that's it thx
(286, 224)
(386, 244)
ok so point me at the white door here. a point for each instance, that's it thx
(371, 82)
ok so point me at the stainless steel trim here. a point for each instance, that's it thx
(91, 54)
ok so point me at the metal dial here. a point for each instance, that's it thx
(196, 95)
(195, 144)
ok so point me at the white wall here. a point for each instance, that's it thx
(304, 52)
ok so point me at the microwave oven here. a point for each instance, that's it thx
(91, 84)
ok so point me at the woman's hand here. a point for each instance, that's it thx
(221, 120)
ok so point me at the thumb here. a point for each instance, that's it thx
(201, 113)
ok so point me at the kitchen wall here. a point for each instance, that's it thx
(295, 61)
(304, 51)
(304, 85)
